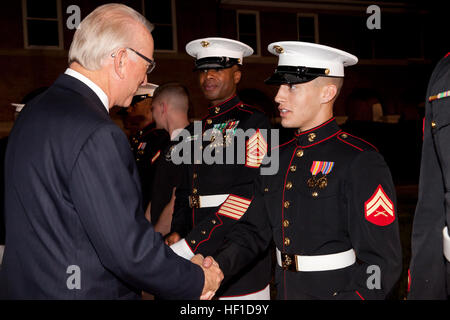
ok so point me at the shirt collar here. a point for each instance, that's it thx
(98, 91)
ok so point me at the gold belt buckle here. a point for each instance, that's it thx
(194, 201)
(288, 262)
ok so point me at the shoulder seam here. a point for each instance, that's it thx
(362, 140)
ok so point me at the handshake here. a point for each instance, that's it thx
(213, 275)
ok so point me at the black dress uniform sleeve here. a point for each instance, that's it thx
(373, 227)
(249, 237)
(429, 275)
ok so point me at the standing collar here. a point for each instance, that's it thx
(224, 106)
(98, 91)
(318, 134)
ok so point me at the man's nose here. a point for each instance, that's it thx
(210, 73)
(279, 97)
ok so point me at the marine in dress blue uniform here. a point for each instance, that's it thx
(429, 274)
(331, 208)
(147, 143)
(213, 197)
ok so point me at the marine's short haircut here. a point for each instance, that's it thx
(174, 92)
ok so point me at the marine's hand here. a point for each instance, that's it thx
(213, 275)
(172, 238)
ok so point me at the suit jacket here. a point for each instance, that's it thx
(75, 226)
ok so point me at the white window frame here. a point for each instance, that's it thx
(59, 18)
(174, 27)
(258, 32)
(316, 25)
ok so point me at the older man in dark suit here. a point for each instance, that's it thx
(74, 223)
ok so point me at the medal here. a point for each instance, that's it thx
(323, 167)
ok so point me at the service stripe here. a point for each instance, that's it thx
(234, 207)
(156, 156)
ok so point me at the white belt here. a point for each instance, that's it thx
(317, 263)
(2, 249)
(446, 243)
(207, 201)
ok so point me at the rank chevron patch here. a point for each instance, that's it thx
(379, 209)
(256, 149)
(234, 207)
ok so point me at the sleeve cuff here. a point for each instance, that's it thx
(182, 249)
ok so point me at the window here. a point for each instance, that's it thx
(42, 24)
(248, 29)
(308, 28)
(161, 13)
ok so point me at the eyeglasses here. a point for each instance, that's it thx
(150, 61)
(152, 64)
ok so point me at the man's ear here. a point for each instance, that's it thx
(164, 107)
(328, 93)
(120, 63)
(237, 76)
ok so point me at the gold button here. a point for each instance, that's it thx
(286, 204)
(344, 136)
(213, 221)
(293, 168)
(216, 109)
(311, 137)
(194, 191)
(285, 223)
(203, 232)
(287, 241)
(266, 189)
(315, 194)
(433, 124)
(289, 185)
(193, 241)
(209, 121)
(195, 176)
(300, 153)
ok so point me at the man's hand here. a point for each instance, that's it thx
(213, 275)
(172, 238)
